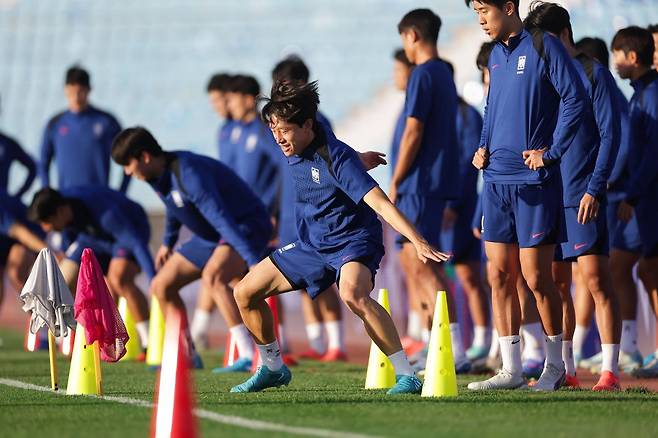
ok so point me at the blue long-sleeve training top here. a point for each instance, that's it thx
(469, 127)
(10, 152)
(619, 175)
(212, 201)
(523, 107)
(81, 145)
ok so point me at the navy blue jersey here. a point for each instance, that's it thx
(207, 197)
(11, 151)
(432, 99)
(523, 107)
(643, 142)
(226, 139)
(104, 217)
(619, 175)
(81, 144)
(469, 127)
(397, 138)
(330, 183)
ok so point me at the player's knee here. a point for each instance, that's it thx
(536, 281)
(498, 279)
(354, 300)
(162, 289)
(118, 281)
(243, 294)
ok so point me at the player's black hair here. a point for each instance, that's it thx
(45, 204)
(244, 84)
(653, 28)
(131, 142)
(497, 3)
(482, 60)
(292, 69)
(219, 82)
(549, 17)
(594, 48)
(635, 39)
(77, 75)
(399, 55)
(292, 102)
(425, 22)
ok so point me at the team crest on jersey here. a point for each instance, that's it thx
(177, 198)
(520, 65)
(236, 132)
(286, 248)
(315, 175)
(250, 145)
(98, 129)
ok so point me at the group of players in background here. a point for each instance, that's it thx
(570, 194)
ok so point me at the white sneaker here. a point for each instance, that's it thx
(551, 379)
(503, 380)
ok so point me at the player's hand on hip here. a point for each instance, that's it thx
(163, 254)
(534, 158)
(481, 158)
(588, 209)
(624, 211)
(449, 218)
(426, 252)
(372, 159)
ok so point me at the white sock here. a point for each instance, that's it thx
(425, 335)
(271, 355)
(283, 339)
(533, 335)
(481, 336)
(315, 338)
(554, 350)
(414, 325)
(610, 356)
(495, 345)
(143, 332)
(510, 351)
(335, 340)
(567, 357)
(458, 353)
(200, 323)
(243, 341)
(628, 336)
(401, 364)
(579, 336)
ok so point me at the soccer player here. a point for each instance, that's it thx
(230, 224)
(339, 238)
(426, 173)
(10, 152)
(632, 50)
(79, 139)
(534, 90)
(114, 227)
(585, 168)
(653, 28)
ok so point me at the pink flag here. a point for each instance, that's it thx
(97, 312)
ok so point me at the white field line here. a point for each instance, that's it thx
(208, 415)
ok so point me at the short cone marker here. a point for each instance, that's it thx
(133, 349)
(440, 377)
(173, 414)
(380, 374)
(156, 334)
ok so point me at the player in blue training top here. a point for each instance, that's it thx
(229, 223)
(534, 92)
(10, 152)
(114, 227)
(632, 50)
(585, 169)
(427, 167)
(339, 238)
(79, 139)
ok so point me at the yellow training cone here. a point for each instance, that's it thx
(156, 334)
(440, 377)
(82, 374)
(380, 374)
(133, 349)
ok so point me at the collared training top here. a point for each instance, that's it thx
(11, 151)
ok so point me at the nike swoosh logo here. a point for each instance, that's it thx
(535, 235)
(579, 245)
(516, 342)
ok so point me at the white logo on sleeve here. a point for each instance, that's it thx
(520, 65)
(315, 174)
(178, 199)
(251, 142)
(286, 248)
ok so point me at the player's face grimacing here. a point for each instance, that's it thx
(624, 63)
(491, 19)
(291, 137)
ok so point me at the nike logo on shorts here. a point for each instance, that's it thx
(577, 246)
(536, 235)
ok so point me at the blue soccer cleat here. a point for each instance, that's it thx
(242, 365)
(477, 352)
(406, 385)
(532, 368)
(265, 378)
(463, 366)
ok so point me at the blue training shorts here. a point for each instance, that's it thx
(583, 239)
(624, 235)
(426, 214)
(647, 222)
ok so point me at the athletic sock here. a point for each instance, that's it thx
(271, 355)
(458, 353)
(510, 352)
(610, 358)
(425, 336)
(335, 339)
(200, 323)
(567, 357)
(628, 336)
(554, 350)
(481, 336)
(401, 364)
(414, 325)
(243, 341)
(142, 328)
(315, 338)
(495, 344)
(579, 336)
(533, 335)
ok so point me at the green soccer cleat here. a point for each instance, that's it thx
(265, 378)
(406, 385)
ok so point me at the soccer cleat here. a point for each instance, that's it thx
(242, 365)
(311, 354)
(532, 368)
(463, 366)
(289, 360)
(265, 378)
(607, 382)
(334, 355)
(650, 358)
(195, 361)
(411, 346)
(503, 380)
(406, 385)
(476, 352)
(141, 357)
(629, 362)
(649, 370)
(551, 379)
(571, 382)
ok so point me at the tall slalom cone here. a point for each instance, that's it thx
(156, 334)
(380, 374)
(173, 414)
(440, 377)
(82, 374)
(133, 349)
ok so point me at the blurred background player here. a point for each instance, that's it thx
(79, 139)
(426, 171)
(11, 152)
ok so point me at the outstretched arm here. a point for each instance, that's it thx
(26, 237)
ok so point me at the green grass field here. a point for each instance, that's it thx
(326, 397)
